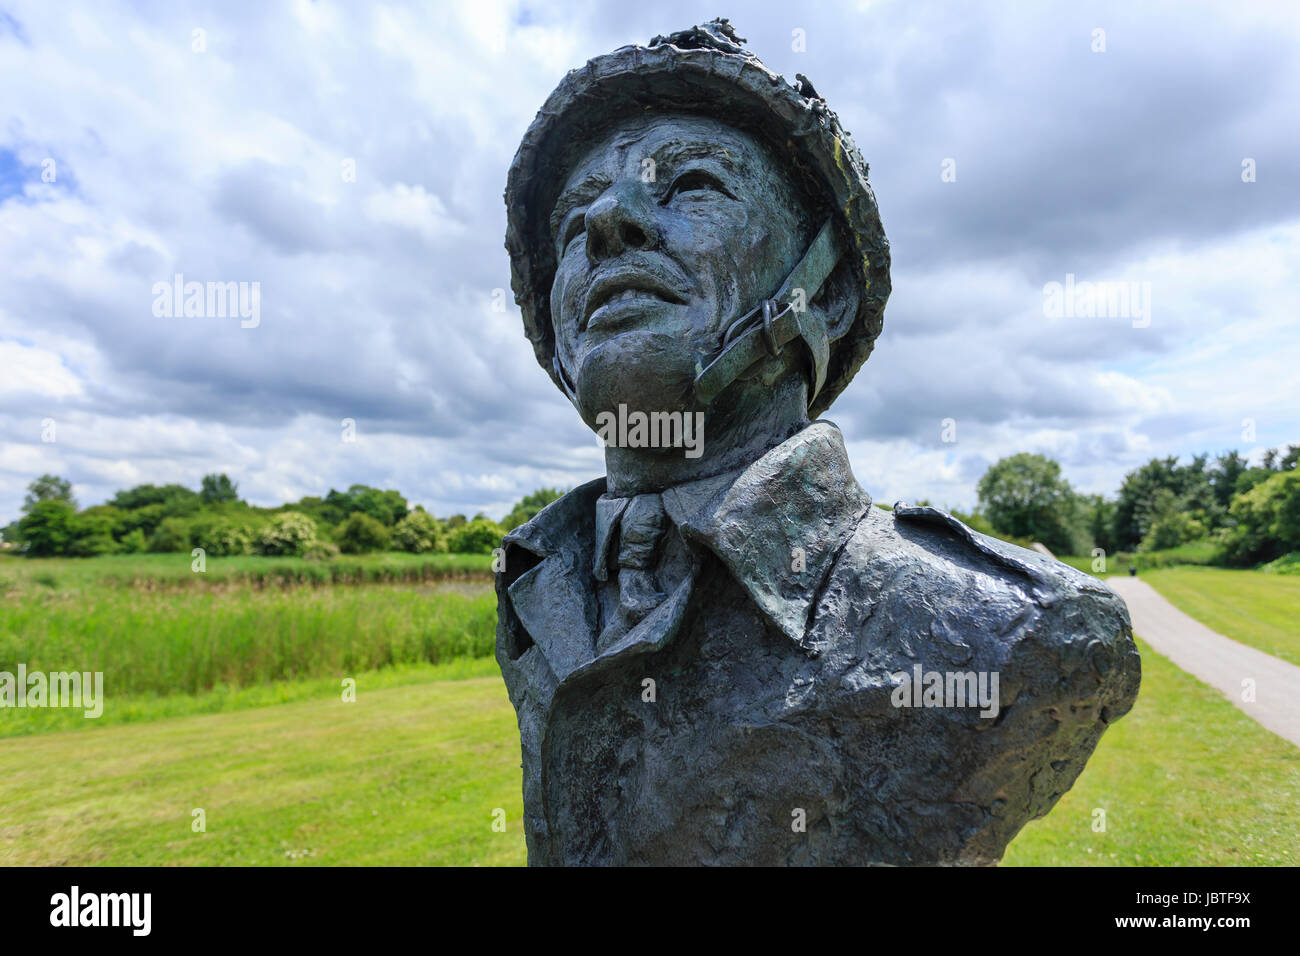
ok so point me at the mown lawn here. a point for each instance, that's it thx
(405, 775)
(1185, 779)
(1262, 610)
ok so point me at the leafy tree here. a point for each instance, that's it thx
(1170, 525)
(529, 506)
(1137, 505)
(1251, 477)
(384, 505)
(48, 488)
(94, 532)
(1136, 494)
(420, 532)
(335, 508)
(218, 489)
(173, 500)
(49, 527)
(1197, 496)
(1025, 496)
(455, 521)
(361, 534)
(173, 534)
(316, 508)
(133, 542)
(479, 536)
(1099, 517)
(1274, 460)
(1266, 520)
(1228, 467)
(132, 499)
(146, 519)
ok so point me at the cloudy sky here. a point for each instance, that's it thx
(1007, 151)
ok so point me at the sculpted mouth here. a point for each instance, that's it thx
(628, 287)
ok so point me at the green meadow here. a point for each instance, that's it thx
(229, 698)
(405, 775)
(1262, 610)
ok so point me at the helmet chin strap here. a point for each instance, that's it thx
(777, 321)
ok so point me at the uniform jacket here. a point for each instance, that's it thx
(754, 717)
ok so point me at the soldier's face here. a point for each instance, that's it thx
(664, 234)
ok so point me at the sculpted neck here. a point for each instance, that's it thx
(744, 423)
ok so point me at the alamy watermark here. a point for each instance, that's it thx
(130, 910)
(1100, 300)
(652, 430)
(923, 688)
(209, 300)
(55, 689)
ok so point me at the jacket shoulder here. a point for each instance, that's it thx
(919, 574)
(928, 527)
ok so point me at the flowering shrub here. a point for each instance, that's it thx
(220, 538)
(288, 533)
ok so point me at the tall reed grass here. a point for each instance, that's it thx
(170, 571)
(189, 641)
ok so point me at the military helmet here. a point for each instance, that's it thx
(703, 71)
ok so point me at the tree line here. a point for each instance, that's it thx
(1251, 514)
(174, 518)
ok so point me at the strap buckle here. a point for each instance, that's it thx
(777, 323)
(771, 310)
(773, 346)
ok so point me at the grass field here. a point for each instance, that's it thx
(405, 775)
(1262, 610)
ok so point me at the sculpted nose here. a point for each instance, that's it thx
(620, 219)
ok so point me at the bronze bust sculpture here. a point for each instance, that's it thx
(724, 653)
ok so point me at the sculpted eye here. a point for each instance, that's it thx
(696, 181)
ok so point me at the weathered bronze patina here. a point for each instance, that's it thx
(729, 656)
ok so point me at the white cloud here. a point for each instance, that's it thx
(412, 208)
(34, 372)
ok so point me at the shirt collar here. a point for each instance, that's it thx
(780, 523)
(776, 525)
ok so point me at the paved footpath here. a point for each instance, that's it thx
(1219, 661)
